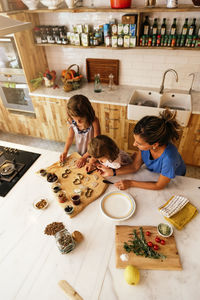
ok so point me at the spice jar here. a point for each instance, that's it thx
(64, 241)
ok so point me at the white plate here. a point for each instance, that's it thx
(118, 205)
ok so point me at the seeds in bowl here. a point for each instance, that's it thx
(41, 204)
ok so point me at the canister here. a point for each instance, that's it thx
(172, 3)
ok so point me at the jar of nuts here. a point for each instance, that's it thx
(64, 241)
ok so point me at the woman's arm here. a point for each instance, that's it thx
(68, 144)
(131, 168)
(159, 185)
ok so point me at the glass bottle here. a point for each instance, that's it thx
(64, 241)
(155, 27)
(173, 27)
(97, 83)
(111, 82)
(37, 35)
(185, 28)
(192, 27)
(146, 26)
(163, 27)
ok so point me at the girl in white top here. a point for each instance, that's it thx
(104, 150)
(84, 125)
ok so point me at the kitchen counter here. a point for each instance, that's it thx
(120, 95)
(31, 264)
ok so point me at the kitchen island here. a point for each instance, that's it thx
(31, 265)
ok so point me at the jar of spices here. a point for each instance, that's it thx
(172, 3)
(64, 241)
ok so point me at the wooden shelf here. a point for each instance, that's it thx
(118, 48)
(180, 8)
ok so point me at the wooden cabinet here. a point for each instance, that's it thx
(190, 143)
(112, 121)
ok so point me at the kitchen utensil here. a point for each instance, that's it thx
(118, 206)
(90, 172)
(120, 3)
(107, 181)
(104, 67)
(172, 261)
(69, 290)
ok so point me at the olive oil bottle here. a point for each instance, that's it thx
(185, 28)
(146, 26)
(192, 27)
(173, 27)
(155, 26)
(163, 27)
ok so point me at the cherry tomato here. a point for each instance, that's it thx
(148, 233)
(157, 239)
(162, 242)
(150, 244)
(155, 247)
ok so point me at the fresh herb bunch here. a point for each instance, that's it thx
(139, 246)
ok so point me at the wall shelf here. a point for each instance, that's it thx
(180, 8)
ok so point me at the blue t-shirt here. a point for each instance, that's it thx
(169, 164)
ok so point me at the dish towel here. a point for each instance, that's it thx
(178, 211)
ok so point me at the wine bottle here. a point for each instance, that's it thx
(146, 26)
(185, 27)
(192, 27)
(173, 27)
(163, 27)
(155, 27)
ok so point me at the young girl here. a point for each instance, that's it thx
(104, 150)
(153, 136)
(84, 125)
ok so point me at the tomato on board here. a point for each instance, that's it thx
(150, 244)
(148, 233)
(157, 239)
(162, 242)
(155, 247)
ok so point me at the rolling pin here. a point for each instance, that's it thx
(68, 289)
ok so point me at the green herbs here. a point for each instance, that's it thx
(139, 246)
(164, 229)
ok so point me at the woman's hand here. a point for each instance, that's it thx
(104, 171)
(81, 162)
(63, 156)
(124, 184)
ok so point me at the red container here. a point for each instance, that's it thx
(120, 3)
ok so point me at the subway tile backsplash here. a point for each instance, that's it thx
(137, 66)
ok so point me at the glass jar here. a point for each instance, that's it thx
(64, 241)
(97, 84)
(172, 3)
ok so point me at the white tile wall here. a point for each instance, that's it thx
(137, 67)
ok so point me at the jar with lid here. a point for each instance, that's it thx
(64, 241)
(172, 3)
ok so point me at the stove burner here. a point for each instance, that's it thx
(9, 177)
(7, 168)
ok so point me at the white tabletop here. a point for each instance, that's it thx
(31, 264)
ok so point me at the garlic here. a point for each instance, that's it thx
(124, 257)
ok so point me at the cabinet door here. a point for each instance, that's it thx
(129, 139)
(112, 121)
(190, 143)
(51, 118)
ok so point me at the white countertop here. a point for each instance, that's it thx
(120, 95)
(31, 265)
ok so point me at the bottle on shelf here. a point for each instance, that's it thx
(185, 28)
(173, 27)
(146, 26)
(192, 28)
(163, 27)
(155, 26)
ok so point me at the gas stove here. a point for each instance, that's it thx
(13, 164)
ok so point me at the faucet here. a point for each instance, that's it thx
(193, 76)
(163, 80)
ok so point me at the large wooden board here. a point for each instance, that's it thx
(104, 67)
(172, 261)
(68, 186)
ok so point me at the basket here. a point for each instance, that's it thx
(71, 79)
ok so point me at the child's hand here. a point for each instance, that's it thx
(63, 156)
(81, 162)
(123, 184)
(104, 171)
(90, 167)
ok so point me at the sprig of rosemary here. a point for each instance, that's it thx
(139, 246)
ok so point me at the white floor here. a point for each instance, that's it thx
(193, 172)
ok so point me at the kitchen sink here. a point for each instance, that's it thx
(148, 102)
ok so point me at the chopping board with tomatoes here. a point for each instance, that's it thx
(74, 181)
(162, 252)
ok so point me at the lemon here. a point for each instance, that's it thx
(131, 275)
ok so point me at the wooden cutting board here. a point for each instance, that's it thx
(104, 67)
(172, 261)
(93, 181)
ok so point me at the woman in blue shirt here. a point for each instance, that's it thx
(153, 136)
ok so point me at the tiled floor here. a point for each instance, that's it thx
(193, 172)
